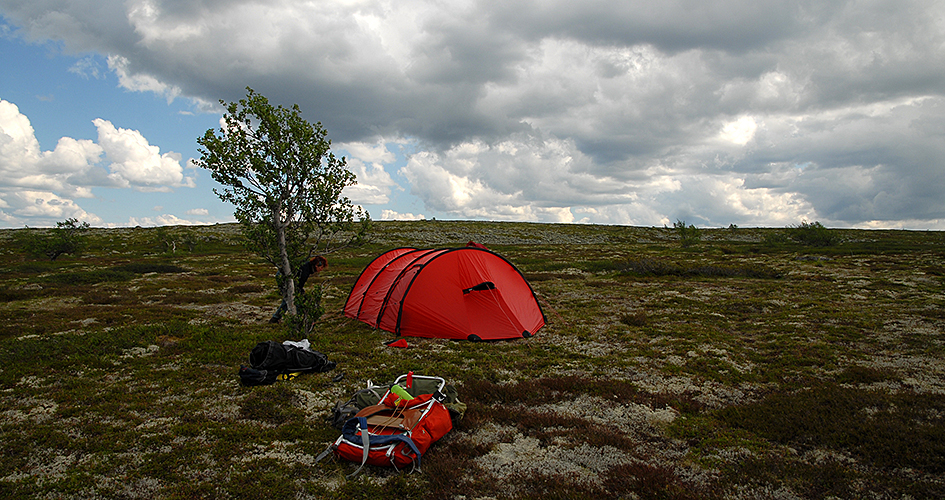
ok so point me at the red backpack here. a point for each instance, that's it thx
(396, 432)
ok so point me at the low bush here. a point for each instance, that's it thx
(638, 318)
(688, 235)
(149, 267)
(78, 278)
(660, 268)
(68, 237)
(886, 431)
(812, 234)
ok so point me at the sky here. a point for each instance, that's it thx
(757, 113)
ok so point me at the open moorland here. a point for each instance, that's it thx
(738, 363)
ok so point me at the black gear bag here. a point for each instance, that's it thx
(270, 359)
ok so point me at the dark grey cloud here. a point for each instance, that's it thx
(671, 26)
(621, 111)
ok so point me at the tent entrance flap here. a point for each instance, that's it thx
(490, 317)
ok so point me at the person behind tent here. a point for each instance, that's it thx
(313, 266)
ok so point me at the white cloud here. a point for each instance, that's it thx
(392, 215)
(40, 208)
(17, 142)
(71, 156)
(40, 187)
(366, 161)
(522, 178)
(160, 220)
(369, 152)
(136, 163)
(24, 165)
(739, 131)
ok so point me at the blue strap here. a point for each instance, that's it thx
(353, 425)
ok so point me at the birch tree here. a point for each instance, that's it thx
(279, 172)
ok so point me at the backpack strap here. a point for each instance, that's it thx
(365, 444)
(356, 424)
(406, 420)
(321, 456)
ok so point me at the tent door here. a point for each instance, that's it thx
(489, 315)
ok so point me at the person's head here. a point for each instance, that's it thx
(318, 263)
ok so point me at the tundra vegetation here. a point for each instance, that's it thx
(749, 363)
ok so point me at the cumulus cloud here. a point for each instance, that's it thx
(23, 165)
(136, 163)
(41, 207)
(367, 161)
(41, 186)
(394, 215)
(730, 111)
(160, 220)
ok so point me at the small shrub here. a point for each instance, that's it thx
(813, 234)
(825, 479)
(68, 237)
(308, 305)
(16, 295)
(638, 318)
(89, 277)
(33, 267)
(169, 241)
(660, 268)
(124, 272)
(641, 480)
(688, 235)
(746, 271)
(904, 430)
(540, 485)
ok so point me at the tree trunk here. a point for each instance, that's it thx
(288, 275)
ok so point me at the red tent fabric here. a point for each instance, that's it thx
(456, 293)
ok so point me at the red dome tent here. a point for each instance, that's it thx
(453, 293)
